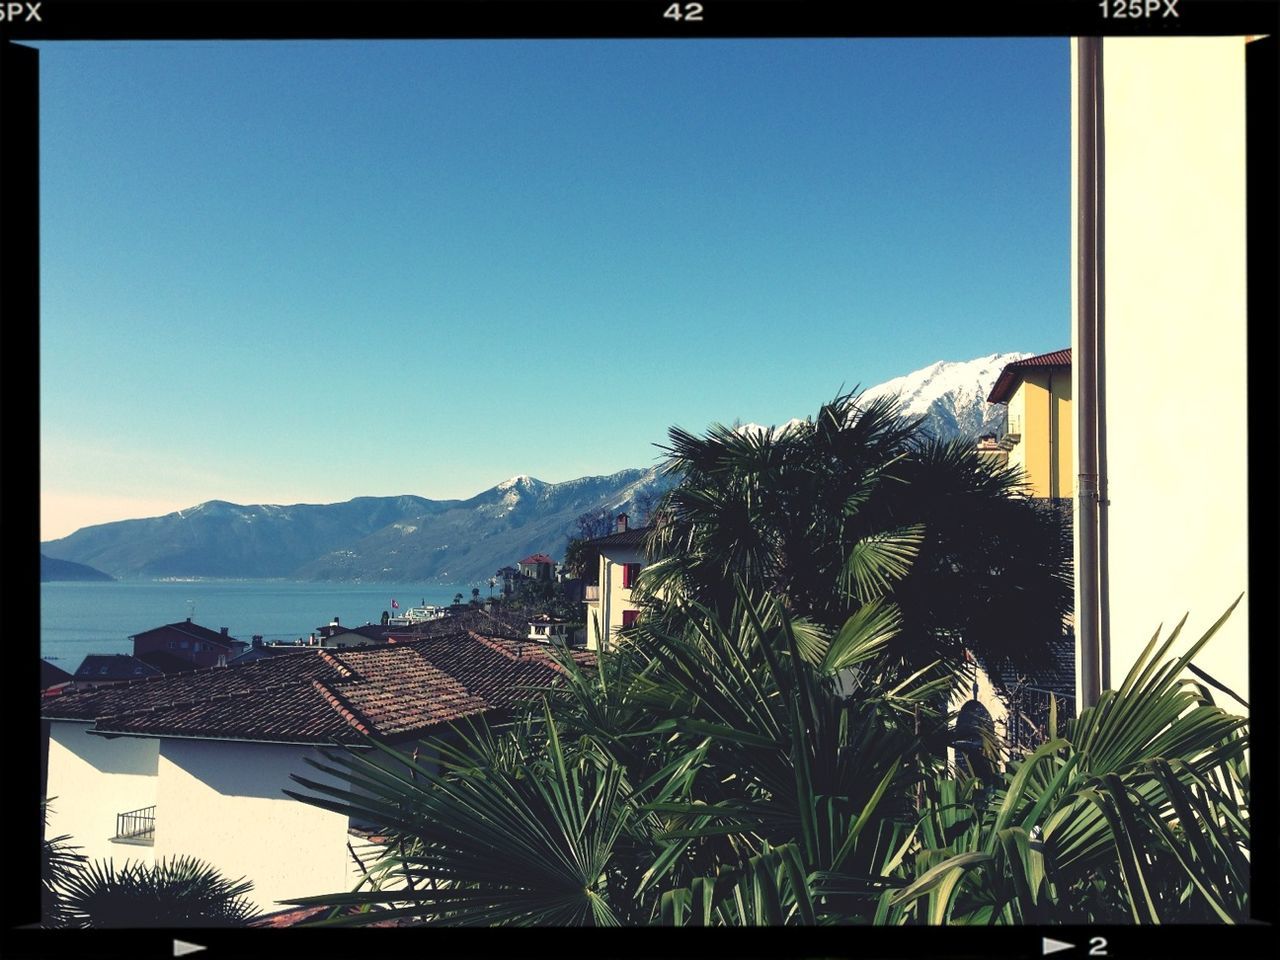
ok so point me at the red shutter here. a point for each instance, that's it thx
(629, 617)
(629, 573)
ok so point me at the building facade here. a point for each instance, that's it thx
(198, 763)
(198, 645)
(1039, 430)
(1160, 305)
(609, 603)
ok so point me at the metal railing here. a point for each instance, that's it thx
(136, 826)
(1028, 720)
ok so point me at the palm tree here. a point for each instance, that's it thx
(812, 511)
(765, 770)
(181, 892)
(682, 753)
(767, 743)
(58, 860)
(1136, 812)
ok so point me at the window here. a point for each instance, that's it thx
(196, 646)
(629, 617)
(629, 573)
(182, 644)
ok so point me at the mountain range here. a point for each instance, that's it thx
(414, 539)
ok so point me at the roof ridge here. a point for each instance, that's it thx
(344, 671)
(342, 706)
(550, 663)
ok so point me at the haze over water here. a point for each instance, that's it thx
(79, 618)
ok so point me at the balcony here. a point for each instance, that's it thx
(137, 827)
(591, 593)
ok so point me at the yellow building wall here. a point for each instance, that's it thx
(1175, 302)
(1040, 411)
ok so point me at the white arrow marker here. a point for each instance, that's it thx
(1048, 945)
(181, 948)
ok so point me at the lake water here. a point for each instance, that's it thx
(82, 618)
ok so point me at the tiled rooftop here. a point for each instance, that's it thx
(112, 666)
(1007, 382)
(322, 696)
(627, 538)
(185, 628)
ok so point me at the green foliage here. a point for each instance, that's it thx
(581, 559)
(181, 892)
(810, 513)
(766, 770)
(58, 860)
(532, 597)
(768, 743)
(1137, 812)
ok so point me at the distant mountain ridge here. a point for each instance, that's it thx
(410, 538)
(53, 569)
(404, 538)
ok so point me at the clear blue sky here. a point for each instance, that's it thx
(303, 272)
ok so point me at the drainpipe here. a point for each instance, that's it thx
(1088, 297)
(1052, 420)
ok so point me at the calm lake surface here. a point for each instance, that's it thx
(82, 618)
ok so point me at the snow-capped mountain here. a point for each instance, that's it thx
(951, 395)
(454, 541)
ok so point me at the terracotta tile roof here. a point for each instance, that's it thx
(1057, 675)
(293, 916)
(537, 558)
(324, 696)
(193, 631)
(627, 538)
(51, 673)
(1009, 377)
(111, 667)
(166, 662)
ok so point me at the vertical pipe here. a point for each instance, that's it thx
(1100, 372)
(1087, 122)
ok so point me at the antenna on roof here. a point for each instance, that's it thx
(191, 609)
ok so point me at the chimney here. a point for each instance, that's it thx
(224, 631)
(257, 641)
(622, 523)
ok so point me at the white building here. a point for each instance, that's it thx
(197, 763)
(1160, 305)
(609, 605)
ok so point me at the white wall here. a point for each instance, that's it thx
(615, 599)
(1175, 344)
(221, 801)
(92, 779)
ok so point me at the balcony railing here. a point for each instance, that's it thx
(1028, 721)
(591, 591)
(136, 826)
